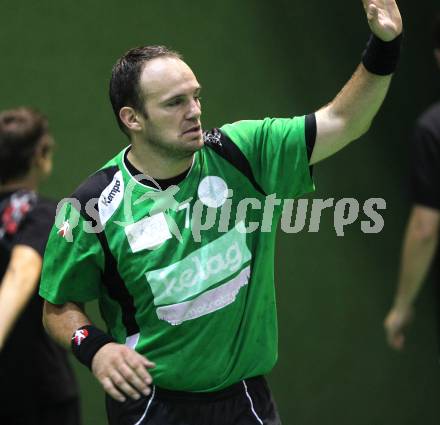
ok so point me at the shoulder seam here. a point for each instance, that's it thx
(89, 189)
(224, 146)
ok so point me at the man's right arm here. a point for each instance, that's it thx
(120, 370)
(61, 321)
(419, 248)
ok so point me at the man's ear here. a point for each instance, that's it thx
(437, 56)
(42, 159)
(130, 119)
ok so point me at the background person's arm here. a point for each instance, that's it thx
(17, 287)
(350, 114)
(120, 370)
(418, 251)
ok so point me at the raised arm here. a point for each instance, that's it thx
(350, 114)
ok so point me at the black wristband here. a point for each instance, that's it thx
(86, 341)
(381, 57)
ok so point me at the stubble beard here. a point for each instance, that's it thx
(177, 151)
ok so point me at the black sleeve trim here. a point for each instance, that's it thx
(227, 149)
(310, 129)
(117, 289)
(94, 185)
(115, 285)
(111, 279)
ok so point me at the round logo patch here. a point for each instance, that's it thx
(80, 334)
(213, 191)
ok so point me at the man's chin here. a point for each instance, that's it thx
(193, 145)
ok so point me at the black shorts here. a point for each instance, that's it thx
(34, 412)
(248, 402)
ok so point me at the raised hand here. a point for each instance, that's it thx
(383, 18)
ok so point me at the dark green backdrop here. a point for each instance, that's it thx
(258, 59)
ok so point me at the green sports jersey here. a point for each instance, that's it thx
(185, 276)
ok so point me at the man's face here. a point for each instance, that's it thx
(172, 109)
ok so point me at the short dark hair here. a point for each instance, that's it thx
(436, 31)
(21, 130)
(124, 87)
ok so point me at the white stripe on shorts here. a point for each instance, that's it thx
(252, 404)
(146, 409)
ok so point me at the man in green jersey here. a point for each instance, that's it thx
(174, 237)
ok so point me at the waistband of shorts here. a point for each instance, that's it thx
(224, 393)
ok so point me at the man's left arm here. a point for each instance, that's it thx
(418, 252)
(350, 114)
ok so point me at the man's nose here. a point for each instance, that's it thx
(195, 110)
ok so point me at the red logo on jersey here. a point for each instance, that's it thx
(14, 213)
(80, 334)
(64, 229)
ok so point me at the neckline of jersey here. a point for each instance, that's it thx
(162, 184)
(141, 186)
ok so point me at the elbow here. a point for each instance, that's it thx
(424, 226)
(352, 128)
(425, 235)
(424, 232)
(49, 316)
(365, 128)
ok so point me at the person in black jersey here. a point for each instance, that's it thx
(420, 246)
(36, 383)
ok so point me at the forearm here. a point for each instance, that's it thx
(61, 321)
(350, 114)
(418, 253)
(359, 101)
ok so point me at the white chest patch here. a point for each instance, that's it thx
(148, 233)
(213, 191)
